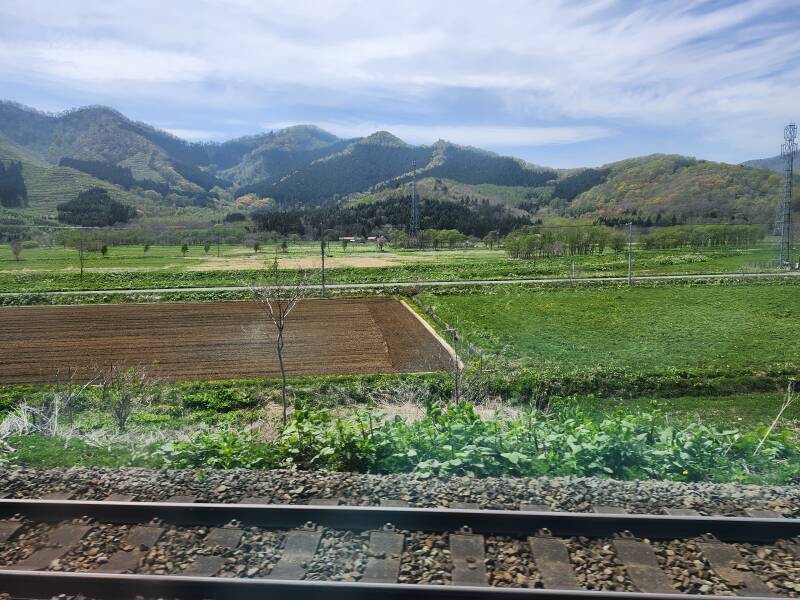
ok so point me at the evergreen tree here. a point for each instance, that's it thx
(13, 193)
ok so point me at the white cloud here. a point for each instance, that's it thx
(481, 136)
(195, 135)
(103, 62)
(543, 65)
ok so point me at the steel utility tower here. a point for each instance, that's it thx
(414, 202)
(784, 225)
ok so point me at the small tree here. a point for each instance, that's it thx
(81, 256)
(381, 241)
(207, 249)
(185, 249)
(490, 239)
(344, 245)
(617, 241)
(284, 246)
(278, 301)
(324, 236)
(104, 250)
(124, 392)
(145, 248)
(16, 249)
(256, 247)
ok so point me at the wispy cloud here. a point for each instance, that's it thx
(195, 134)
(481, 136)
(518, 73)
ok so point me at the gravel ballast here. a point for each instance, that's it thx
(298, 487)
(342, 555)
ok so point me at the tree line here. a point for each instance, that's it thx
(470, 217)
(542, 242)
(703, 236)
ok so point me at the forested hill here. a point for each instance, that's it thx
(300, 164)
(774, 163)
(678, 189)
(61, 155)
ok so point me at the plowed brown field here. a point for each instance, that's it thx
(205, 341)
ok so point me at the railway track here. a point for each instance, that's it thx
(105, 549)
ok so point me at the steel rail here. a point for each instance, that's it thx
(360, 518)
(27, 584)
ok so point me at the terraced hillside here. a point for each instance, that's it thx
(49, 185)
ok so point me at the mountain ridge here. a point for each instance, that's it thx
(304, 165)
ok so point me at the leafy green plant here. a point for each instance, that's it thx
(226, 450)
(220, 399)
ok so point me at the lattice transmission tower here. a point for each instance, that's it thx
(414, 203)
(784, 221)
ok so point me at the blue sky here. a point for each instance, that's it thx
(556, 82)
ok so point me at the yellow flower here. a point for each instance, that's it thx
(686, 471)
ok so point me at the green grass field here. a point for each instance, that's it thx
(640, 329)
(54, 268)
(739, 410)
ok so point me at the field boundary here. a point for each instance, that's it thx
(450, 350)
(388, 285)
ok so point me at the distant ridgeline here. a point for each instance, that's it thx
(360, 183)
(13, 193)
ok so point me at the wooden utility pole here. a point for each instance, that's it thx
(322, 255)
(81, 259)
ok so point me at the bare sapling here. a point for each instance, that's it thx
(788, 399)
(68, 391)
(278, 300)
(125, 390)
(16, 249)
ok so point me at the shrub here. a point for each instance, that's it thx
(220, 400)
(454, 440)
(228, 450)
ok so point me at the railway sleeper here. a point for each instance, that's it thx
(219, 538)
(385, 554)
(59, 542)
(299, 547)
(732, 568)
(9, 529)
(140, 538)
(468, 554)
(551, 556)
(641, 563)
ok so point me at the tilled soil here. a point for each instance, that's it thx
(219, 340)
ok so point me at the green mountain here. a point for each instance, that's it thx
(660, 187)
(360, 165)
(278, 154)
(49, 185)
(774, 163)
(97, 134)
(303, 165)
(383, 161)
